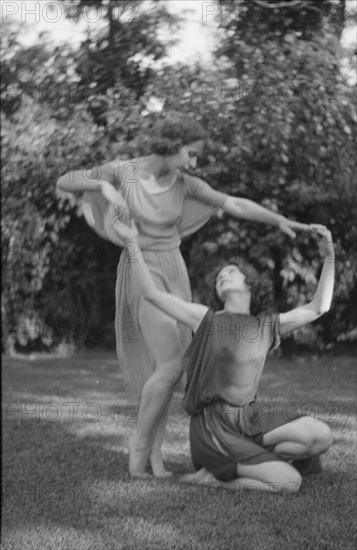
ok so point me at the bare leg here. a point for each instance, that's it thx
(154, 400)
(156, 461)
(138, 458)
(162, 337)
(156, 395)
(139, 454)
(299, 439)
(269, 476)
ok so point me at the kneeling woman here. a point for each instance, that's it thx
(233, 440)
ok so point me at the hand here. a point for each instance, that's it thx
(287, 226)
(322, 231)
(327, 248)
(326, 242)
(112, 195)
(128, 232)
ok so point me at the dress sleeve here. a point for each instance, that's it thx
(196, 362)
(97, 211)
(201, 201)
(199, 190)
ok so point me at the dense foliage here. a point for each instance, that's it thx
(282, 120)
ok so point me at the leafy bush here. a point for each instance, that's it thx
(282, 121)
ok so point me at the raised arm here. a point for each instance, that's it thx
(321, 301)
(249, 210)
(77, 181)
(185, 312)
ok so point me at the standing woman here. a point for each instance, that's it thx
(166, 204)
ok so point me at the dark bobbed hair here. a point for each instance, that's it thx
(175, 131)
(261, 287)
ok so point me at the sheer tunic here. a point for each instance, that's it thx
(226, 357)
(162, 219)
(224, 364)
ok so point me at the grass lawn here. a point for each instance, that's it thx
(66, 483)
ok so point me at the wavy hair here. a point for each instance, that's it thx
(175, 131)
(260, 285)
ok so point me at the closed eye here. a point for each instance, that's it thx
(227, 271)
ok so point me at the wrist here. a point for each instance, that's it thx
(131, 241)
(280, 219)
(329, 252)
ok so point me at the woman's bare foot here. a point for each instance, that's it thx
(137, 459)
(200, 477)
(157, 465)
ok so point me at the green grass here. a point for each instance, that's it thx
(66, 482)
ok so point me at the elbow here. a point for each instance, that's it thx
(234, 207)
(318, 310)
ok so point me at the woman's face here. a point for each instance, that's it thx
(230, 278)
(186, 158)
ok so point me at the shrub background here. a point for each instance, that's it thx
(282, 119)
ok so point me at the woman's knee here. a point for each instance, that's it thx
(317, 436)
(323, 438)
(164, 340)
(311, 433)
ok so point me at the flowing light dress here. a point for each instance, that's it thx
(145, 336)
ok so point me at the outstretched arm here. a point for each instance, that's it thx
(321, 301)
(249, 210)
(185, 312)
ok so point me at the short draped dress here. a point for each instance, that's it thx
(224, 364)
(162, 217)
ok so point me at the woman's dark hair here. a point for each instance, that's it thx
(261, 287)
(175, 131)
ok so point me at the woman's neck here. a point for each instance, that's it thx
(238, 303)
(157, 166)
